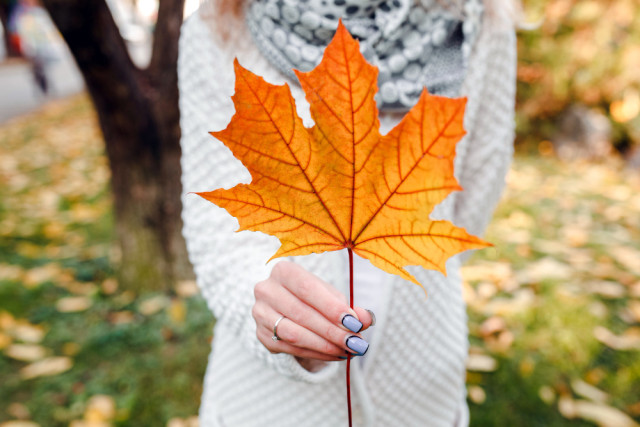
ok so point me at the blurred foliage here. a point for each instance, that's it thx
(582, 51)
(554, 306)
(75, 349)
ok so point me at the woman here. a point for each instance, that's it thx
(283, 328)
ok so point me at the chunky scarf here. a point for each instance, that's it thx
(414, 43)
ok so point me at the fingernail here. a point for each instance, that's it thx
(351, 323)
(358, 345)
(373, 317)
(342, 357)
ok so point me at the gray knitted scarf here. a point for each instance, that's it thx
(414, 43)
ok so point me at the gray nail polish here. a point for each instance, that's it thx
(351, 323)
(358, 345)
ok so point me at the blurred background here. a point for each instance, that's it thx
(101, 323)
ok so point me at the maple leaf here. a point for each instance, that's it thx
(341, 184)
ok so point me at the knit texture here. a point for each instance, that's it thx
(413, 43)
(414, 372)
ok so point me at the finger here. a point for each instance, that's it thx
(313, 291)
(366, 317)
(265, 336)
(279, 300)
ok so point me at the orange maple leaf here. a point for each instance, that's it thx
(341, 184)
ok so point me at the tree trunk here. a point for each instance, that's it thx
(139, 117)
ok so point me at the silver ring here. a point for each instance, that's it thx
(275, 336)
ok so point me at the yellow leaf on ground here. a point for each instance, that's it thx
(153, 305)
(10, 272)
(187, 288)
(544, 269)
(481, 363)
(121, 317)
(26, 352)
(634, 310)
(602, 415)
(476, 394)
(46, 367)
(186, 422)
(73, 304)
(5, 340)
(100, 408)
(588, 391)
(19, 423)
(19, 411)
(7, 321)
(627, 256)
(27, 332)
(606, 288)
(177, 311)
(109, 286)
(627, 341)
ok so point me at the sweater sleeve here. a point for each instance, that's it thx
(227, 264)
(484, 156)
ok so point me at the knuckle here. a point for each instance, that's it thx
(296, 314)
(305, 289)
(279, 269)
(259, 290)
(292, 337)
(328, 348)
(255, 312)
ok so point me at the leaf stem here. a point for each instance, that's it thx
(350, 252)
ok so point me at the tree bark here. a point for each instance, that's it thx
(139, 117)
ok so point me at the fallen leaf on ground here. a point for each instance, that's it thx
(73, 304)
(606, 289)
(153, 305)
(26, 352)
(35, 276)
(588, 391)
(598, 413)
(46, 367)
(476, 394)
(19, 411)
(100, 408)
(109, 286)
(27, 332)
(177, 311)
(627, 341)
(492, 325)
(5, 340)
(634, 310)
(187, 288)
(499, 273)
(10, 272)
(186, 422)
(481, 363)
(7, 321)
(121, 317)
(523, 299)
(544, 269)
(547, 394)
(19, 423)
(627, 256)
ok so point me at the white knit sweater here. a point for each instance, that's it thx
(415, 369)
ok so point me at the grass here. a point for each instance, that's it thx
(554, 307)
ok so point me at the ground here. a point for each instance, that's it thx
(554, 306)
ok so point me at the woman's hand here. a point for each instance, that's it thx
(318, 324)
